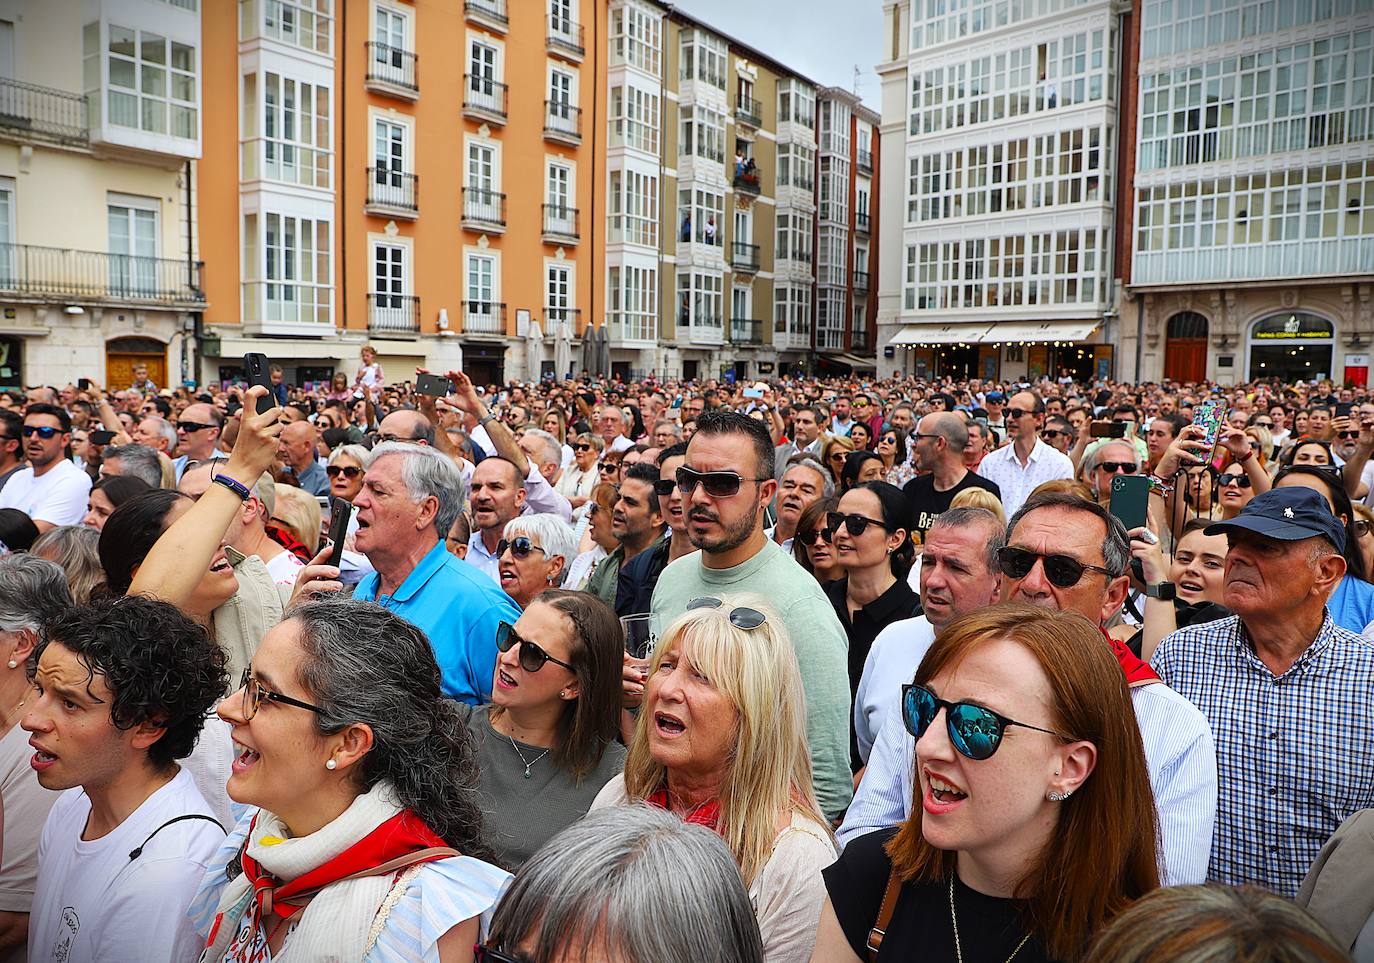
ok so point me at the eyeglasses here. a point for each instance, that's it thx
(741, 617)
(1240, 480)
(718, 484)
(520, 547)
(1125, 467)
(809, 538)
(394, 438)
(190, 426)
(532, 657)
(1063, 571)
(348, 471)
(664, 487)
(855, 524)
(254, 693)
(1016, 414)
(1264, 424)
(975, 731)
(44, 432)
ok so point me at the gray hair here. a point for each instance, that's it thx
(357, 452)
(166, 429)
(673, 426)
(967, 517)
(553, 448)
(32, 591)
(592, 439)
(1116, 547)
(949, 426)
(1100, 455)
(138, 462)
(808, 460)
(550, 532)
(604, 877)
(426, 471)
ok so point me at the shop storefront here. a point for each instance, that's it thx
(1293, 346)
(1005, 350)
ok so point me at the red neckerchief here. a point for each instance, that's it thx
(288, 541)
(707, 814)
(1137, 671)
(401, 834)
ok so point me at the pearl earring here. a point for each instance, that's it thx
(331, 765)
(12, 664)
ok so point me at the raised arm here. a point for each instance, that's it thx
(466, 399)
(1354, 467)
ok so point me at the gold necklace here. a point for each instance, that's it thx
(958, 951)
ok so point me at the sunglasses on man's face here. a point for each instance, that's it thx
(46, 432)
(1125, 467)
(520, 547)
(664, 487)
(1063, 571)
(856, 525)
(974, 731)
(190, 426)
(348, 471)
(718, 484)
(532, 657)
(1052, 433)
(1347, 435)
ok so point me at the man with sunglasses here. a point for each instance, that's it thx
(1288, 692)
(1019, 468)
(1111, 459)
(198, 431)
(727, 482)
(1058, 433)
(50, 490)
(940, 442)
(1066, 553)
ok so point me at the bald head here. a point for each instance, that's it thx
(408, 426)
(297, 445)
(940, 441)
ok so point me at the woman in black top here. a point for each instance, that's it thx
(1033, 821)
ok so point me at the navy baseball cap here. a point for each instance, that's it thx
(1289, 515)
(994, 396)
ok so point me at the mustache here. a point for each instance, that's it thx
(703, 515)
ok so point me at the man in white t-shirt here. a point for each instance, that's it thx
(248, 531)
(129, 840)
(51, 490)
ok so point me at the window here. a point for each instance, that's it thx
(301, 23)
(561, 17)
(741, 300)
(561, 94)
(152, 83)
(558, 301)
(797, 166)
(634, 118)
(7, 251)
(744, 227)
(635, 38)
(390, 283)
(559, 199)
(389, 152)
(792, 313)
(391, 29)
(481, 287)
(633, 295)
(794, 236)
(133, 248)
(701, 216)
(700, 300)
(796, 103)
(296, 130)
(482, 69)
(297, 281)
(703, 59)
(634, 208)
(481, 173)
(702, 133)
(392, 60)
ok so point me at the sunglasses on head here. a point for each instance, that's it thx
(190, 426)
(532, 657)
(975, 731)
(46, 432)
(348, 471)
(741, 617)
(809, 538)
(855, 524)
(1063, 571)
(520, 547)
(718, 484)
(1240, 480)
(1125, 467)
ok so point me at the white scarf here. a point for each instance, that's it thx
(334, 927)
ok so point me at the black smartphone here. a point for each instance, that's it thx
(1344, 408)
(1107, 429)
(255, 369)
(83, 384)
(101, 437)
(339, 515)
(436, 386)
(1130, 500)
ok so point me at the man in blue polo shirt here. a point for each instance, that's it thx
(410, 497)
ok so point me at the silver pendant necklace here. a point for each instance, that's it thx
(530, 762)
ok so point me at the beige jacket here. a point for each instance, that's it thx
(241, 622)
(1339, 888)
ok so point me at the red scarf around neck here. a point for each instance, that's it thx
(1137, 672)
(707, 814)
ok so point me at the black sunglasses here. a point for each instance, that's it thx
(741, 617)
(348, 471)
(1125, 467)
(190, 426)
(809, 538)
(856, 524)
(718, 484)
(44, 432)
(520, 547)
(1347, 434)
(1360, 527)
(975, 731)
(607, 466)
(532, 657)
(582, 446)
(1063, 571)
(1016, 414)
(1233, 478)
(1053, 433)
(664, 487)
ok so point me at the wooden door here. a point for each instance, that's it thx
(119, 369)
(1185, 359)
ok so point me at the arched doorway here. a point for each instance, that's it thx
(1293, 346)
(1185, 350)
(121, 354)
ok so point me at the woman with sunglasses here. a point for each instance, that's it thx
(892, 448)
(546, 743)
(813, 545)
(598, 539)
(871, 530)
(1363, 529)
(1033, 821)
(833, 453)
(364, 838)
(347, 465)
(579, 478)
(721, 741)
(1352, 604)
(533, 555)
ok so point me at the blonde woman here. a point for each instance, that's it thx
(721, 741)
(980, 498)
(834, 453)
(298, 512)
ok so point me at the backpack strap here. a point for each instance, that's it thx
(138, 851)
(875, 935)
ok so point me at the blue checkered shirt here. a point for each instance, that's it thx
(1295, 752)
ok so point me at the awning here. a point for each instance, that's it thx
(1025, 332)
(961, 333)
(852, 361)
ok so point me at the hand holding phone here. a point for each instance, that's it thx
(339, 514)
(1130, 499)
(256, 370)
(433, 385)
(1210, 416)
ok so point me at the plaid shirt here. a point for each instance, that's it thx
(1295, 752)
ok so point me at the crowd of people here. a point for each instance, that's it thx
(805, 670)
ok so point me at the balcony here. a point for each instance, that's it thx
(560, 225)
(565, 39)
(556, 316)
(484, 211)
(744, 258)
(865, 161)
(861, 223)
(562, 122)
(487, 13)
(29, 112)
(746, 331)
(393, 314)
(747, 181)
(392, 71)
(748, 111)
(484, 99)
(861, 281)
(62, 273)
(484, 317)
(391, 193)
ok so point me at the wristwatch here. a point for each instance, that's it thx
(1164, 591)
(489, 416)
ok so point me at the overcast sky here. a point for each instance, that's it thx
(823, 39)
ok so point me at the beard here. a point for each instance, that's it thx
(733, 536)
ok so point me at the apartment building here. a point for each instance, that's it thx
(1253, 199)
(416, 176)
(100, 121)
(1000, 125)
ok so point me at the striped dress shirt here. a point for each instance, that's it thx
(1015, 480)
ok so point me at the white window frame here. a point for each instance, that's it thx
(164, 96)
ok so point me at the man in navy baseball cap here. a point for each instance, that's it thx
(1288, 515)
